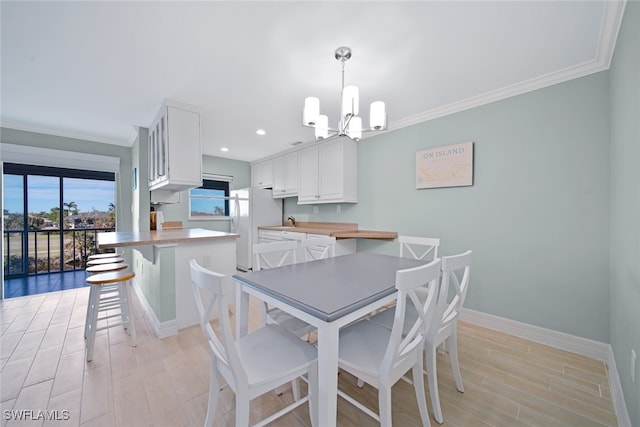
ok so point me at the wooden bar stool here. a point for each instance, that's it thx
(105, 268)
(106, 291)
(107, 255)
(121, 278)
(104, 261)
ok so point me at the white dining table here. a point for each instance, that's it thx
(327, 294)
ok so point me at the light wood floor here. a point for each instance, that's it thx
(508, 381)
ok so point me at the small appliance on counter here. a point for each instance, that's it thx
(156, 219)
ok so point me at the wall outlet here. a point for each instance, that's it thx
(315, 209)
(633, 365)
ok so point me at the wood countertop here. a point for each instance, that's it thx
(145, 238)
(335, 229)
(366, 234)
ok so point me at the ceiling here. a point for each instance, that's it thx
(98, 70)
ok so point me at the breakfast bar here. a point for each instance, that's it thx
(161, 263)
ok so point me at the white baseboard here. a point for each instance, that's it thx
(617, 396)
(583, 346)
(161, 329)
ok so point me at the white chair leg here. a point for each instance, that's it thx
(453, 356)
(384, 405)
(432, 374)
(313, 394)
(124, 307)
(418, 385)
(295, 387)
(87, 321)
(242, 408)
(263, 312)
(91, 338)
(214, 391)
(131, 323)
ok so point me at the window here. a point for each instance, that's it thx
(210, 201)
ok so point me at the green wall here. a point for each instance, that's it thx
(625, 206)
(537, 216)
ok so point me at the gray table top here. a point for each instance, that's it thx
(331, 288)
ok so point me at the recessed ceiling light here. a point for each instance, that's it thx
(261, 132)
(225, 149)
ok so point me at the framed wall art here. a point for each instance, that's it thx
(446, 166)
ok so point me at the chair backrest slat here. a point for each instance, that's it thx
(456, 274)
(404, 347)
(419, 247)
(317, 248)
(221, 344)
(287, 250)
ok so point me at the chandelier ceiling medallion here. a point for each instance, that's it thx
(350, 123)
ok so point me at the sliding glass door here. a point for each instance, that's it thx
(52, 217)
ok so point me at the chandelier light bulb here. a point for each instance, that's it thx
(322, 127)
(355, 128)
(311, 111)
(377, 116)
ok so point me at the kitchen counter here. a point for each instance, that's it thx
(160, 259)
(145, 238)
(335, 229)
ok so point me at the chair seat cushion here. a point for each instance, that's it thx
(271, 352)
(362, 347)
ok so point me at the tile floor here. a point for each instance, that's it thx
(164, 382)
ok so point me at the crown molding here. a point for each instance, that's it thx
(28, 154)
(65, 134)
(610, 27)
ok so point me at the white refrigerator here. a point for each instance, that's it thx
(249, 209)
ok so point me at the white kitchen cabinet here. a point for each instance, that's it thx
(262, 174)
(175, 150)
(327, 172)
(285, 176)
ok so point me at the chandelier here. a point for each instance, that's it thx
(350, 124)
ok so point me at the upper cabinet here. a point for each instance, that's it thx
(327, 172)
(285, 176)
(262, 174)
(175, 150)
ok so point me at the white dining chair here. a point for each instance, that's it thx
(253, 364)
(456, 274)
(420, 248)
(285, 252)
(274, 254)
(317, 248)
(380, 356)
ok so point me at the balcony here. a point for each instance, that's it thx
(33, 252)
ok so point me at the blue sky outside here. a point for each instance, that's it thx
(208, 205)
(43, 193)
